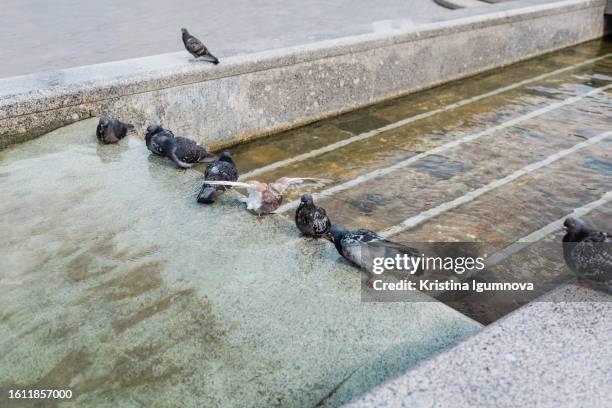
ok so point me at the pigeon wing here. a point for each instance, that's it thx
(287, 183)
(237, 184)
(195, 46)
(593, 258)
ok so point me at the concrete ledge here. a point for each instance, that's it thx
(257, 94)
(551, 353)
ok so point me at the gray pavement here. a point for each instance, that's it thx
(554, 352)
(39, 35)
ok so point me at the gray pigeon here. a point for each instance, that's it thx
(111, 130)
(223, 169)
(310, 219)
(360, 247)
(155, 137)
(196, 48)
(182, 151)
(588, 254)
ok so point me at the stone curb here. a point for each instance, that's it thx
(257, 94)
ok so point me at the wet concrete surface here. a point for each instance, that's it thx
(117, 284)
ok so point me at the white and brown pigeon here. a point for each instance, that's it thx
(265, 198)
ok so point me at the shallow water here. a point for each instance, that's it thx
(527, 127)
(116, 283)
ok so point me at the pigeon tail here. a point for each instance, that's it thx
(178, 161)
(210, 58)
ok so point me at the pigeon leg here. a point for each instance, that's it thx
(584, 285)
(371, 281)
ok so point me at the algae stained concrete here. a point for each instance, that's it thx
(117, 284)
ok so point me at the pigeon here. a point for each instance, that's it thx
(196, 48)
(310, 219)
(111, 130)
(360, 247)
(223, 169)
(265, 198)
(154, 144)
(184, 152)
(588, 253)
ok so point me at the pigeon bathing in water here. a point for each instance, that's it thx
(588, 254)
(310, 219)
(265, 198)
(111, 130)
(223, 169)
(155, 137)
(360, 247)
(184, 152)
(196, 48)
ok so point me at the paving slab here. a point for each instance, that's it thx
(554, 352)
(117, 284)
(77, 33)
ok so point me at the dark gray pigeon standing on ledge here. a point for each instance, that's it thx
(184, 152)
(310, 219)
(588, 253)
(196, 48)
(223, 169)
(111, 130)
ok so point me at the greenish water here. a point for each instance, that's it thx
(117, 284)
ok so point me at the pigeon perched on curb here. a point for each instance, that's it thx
(223, 169)
(588, 254)
(310, 219)
(196, 48)
(360, 247)
(111, 130)
(265, 198)
(184, 152)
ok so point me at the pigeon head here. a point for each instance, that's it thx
(572, 224)
(336, 232)
(184, 31)
(226, 156)
(105, 121)
(152, 129)
(307, 199)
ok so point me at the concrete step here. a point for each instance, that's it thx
(516, 362)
